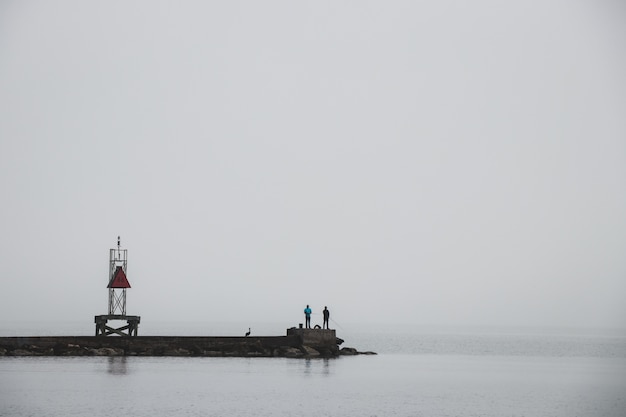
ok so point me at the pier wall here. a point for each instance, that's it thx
(148, 346)
(322, 340)
(294, 344)
(314, 337)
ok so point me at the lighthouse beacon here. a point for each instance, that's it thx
(118, 284)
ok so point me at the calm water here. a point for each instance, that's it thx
(418, 372)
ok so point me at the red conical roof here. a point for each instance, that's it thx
(119, 279)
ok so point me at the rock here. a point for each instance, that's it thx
(196, 350)
(309, 351)
(291, 352)
(348, 351)
(328, 353)
(22, 352)
(256, 354)
(177, 352)
(75, 352)
(106, 351)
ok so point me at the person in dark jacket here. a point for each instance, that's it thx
(326, 317)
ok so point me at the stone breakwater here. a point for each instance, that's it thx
(290, 346)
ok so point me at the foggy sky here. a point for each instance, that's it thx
(440, 162)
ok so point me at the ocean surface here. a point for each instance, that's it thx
(419, 371)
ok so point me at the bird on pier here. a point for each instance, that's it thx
(248, 333)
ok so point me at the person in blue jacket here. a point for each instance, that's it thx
(307, 316)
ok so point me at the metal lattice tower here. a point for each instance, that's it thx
(118, 284)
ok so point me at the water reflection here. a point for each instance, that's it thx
(117, 365)
(317, 366)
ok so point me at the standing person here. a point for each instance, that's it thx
(307, 316)
(326, 317)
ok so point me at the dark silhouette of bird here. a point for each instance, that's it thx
(248, 333)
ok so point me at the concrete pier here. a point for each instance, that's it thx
(298, 343)
(151, 346)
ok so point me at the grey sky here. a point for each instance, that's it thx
(441, 162)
